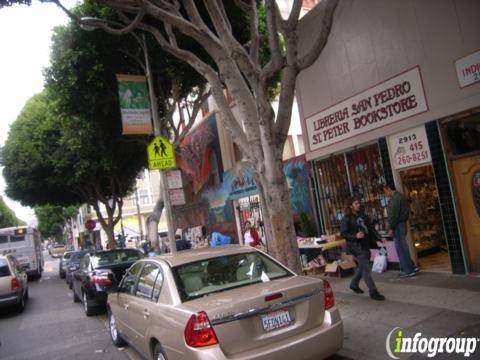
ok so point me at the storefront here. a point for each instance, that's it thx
(462, 143)
(380, 106)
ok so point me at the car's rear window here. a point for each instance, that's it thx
(67, 255)
(115, 257)
(218, 274)
(76, 257)
(4, 269)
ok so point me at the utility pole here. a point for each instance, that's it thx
(157, 131)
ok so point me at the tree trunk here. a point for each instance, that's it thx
(281, 237)
(111, 243)
(152, 224)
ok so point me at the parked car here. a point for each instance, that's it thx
(57, 250)
(73, 265)
(63, 264)
(220, 303)
(13, 283)
(97, 273)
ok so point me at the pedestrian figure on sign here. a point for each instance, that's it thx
(357, 230)
(156, 149)
(162, 148)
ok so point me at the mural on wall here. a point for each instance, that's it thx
(238, 182)
(297, 172)
(199, 155)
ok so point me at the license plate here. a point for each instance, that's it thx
(276, 320)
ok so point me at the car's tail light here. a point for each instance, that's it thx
(104, 280)
(15, 284)
(329, 301)
(199, 332)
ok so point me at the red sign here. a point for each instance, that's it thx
(90, 224)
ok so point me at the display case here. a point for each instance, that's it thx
(358, 172)
(425, 218)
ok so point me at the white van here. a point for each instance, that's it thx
(24, 243)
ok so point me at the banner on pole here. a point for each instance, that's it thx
(134, 105)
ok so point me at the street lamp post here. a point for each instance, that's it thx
(90, 24)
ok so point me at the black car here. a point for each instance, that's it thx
(62, 265)
(97, 273)
(73, 264)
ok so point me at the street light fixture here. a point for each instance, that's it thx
(89, 23)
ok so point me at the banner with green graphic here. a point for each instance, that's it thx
(134, 105)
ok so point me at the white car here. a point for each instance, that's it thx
(13, 283)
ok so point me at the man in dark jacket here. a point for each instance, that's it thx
(398, 213)
(355, 228)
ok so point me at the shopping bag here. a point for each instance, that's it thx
(379, 263)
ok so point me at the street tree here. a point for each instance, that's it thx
(233, 65)
(7, 216)
(54, 220)
(174, 88)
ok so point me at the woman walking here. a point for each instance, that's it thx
(357, 231)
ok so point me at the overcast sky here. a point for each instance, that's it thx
(25, 34)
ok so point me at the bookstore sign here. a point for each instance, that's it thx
(390, 101)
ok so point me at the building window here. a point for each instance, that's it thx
(463, 136)
(143, 197)
(359, 173)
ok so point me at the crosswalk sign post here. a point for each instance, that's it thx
(161, 155)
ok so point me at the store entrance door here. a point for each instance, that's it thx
(425, 221)
(249, 209)
(466, 174)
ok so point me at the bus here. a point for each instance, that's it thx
(24, 243)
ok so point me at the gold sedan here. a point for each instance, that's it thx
(230, 302)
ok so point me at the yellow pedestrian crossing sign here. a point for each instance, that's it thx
(161, 155)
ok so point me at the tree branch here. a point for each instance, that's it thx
(277, 59)
(327, 9)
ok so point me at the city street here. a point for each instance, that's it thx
(53, 327)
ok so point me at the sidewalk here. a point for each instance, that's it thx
(435, 304)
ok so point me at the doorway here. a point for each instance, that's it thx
(466, 175)
(425, 221)
(249, 209)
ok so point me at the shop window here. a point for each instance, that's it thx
(367, 180)
(144, 198)
(358, 172)
(463, 136)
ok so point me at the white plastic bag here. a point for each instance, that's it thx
(379, 263)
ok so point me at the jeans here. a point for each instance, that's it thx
(399, 236)
(363, 270)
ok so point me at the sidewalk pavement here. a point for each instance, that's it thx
(435, 304)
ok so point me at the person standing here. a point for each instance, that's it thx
(251, 236)
(355, 227)
(398, 213)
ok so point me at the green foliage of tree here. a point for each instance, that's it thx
(5, 3)
(53, 219)
(7, 216)
(66, 147)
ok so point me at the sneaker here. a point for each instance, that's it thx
(356, 290)
(403, 275)
(375, 295)
(416, 270)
